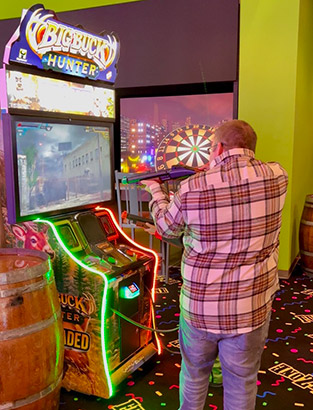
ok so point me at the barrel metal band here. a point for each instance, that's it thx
(30, 399)
(306, 253)
(304, 222)
(23, 274)
(27, 330)
(307, 269)
(46, 280)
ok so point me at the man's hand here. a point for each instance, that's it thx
(149, 228)
(148, 182)
(203, 167)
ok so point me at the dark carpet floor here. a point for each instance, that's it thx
(285, 380)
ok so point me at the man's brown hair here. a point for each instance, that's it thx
(236, 134)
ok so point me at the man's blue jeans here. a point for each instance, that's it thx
(240, 356)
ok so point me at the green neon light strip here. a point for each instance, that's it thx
(103, 305)
(58, 338)
(99, 208)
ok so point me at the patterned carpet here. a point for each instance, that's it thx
(285, 379)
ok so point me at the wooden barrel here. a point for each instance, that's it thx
(31, 332)
(306, 236)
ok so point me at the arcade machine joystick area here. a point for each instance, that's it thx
(113, 254)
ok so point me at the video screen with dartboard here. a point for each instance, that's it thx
(160, 132)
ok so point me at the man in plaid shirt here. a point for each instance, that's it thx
(230, 217)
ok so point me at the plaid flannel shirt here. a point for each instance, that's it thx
(230, 218)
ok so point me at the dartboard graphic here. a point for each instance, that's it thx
(184, 146)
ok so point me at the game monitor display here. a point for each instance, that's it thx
(185, 122)
(58, 166)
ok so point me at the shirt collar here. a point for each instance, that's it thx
(229, 153)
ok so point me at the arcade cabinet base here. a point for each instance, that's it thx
(116, 378)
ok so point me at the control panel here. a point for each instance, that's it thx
(93, 237)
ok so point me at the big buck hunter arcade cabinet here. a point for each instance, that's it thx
(58, 109)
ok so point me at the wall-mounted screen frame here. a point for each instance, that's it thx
(142, 156)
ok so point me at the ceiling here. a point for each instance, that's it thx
(10, 10)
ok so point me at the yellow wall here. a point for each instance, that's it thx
(302, 172)
(276, 97)
(9, 10)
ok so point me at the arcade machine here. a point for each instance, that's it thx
(57, 104)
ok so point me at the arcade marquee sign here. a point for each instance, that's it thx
(43, 41)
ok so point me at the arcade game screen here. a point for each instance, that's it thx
(61, 166)
(147, 121)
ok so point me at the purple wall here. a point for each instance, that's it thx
(163, 41)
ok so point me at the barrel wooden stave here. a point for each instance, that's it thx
(31, 341)
(306, 236)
